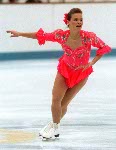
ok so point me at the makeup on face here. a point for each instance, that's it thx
(77, 20)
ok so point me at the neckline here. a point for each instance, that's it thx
(75, 48)
(68, 33)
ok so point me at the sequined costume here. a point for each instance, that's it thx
(71, 63)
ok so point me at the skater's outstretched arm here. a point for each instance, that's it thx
(23, 34)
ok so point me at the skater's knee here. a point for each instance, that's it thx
(56, 100)
(56, 104)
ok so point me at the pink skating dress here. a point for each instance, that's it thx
(71, 63)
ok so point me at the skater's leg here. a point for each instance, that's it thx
(58, 92)
(61, 97)
(70, 94)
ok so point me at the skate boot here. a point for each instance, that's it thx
(47, 128)
(52, 132)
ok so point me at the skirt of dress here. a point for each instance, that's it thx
(72, 77)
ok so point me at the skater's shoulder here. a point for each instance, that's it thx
(86, 33)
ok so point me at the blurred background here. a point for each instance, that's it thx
(99, 17)
(56, 1)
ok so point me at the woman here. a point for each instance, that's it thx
(74, 67)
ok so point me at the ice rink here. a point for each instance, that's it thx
(25, 107)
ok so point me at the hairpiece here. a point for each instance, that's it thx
(65, 18)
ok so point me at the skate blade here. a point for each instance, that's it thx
(48, 139)
(40, 134)
(57, 135)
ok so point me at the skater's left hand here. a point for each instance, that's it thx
(87, 66)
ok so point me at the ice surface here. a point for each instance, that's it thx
(25, 101)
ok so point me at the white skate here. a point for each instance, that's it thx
(47, 128)
(52, 132)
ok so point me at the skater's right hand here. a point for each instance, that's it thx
(13, 33)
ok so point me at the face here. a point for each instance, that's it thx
(76, 21)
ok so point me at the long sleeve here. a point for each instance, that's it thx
(55, 36)
(97, 42)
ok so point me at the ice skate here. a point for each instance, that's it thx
(51, 133)
(47, 128)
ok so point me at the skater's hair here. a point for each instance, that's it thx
(73, 11)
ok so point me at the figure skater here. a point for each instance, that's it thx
(74, 66)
